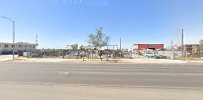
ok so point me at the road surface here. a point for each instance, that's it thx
(141, 75)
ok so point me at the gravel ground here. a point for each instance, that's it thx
(154, 61)
(6, 57)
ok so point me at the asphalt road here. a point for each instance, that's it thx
(149, 75)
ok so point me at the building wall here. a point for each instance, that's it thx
(135, 47)
(148, 46)
(6, 47)
(194, 49)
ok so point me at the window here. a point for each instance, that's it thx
(6, 45)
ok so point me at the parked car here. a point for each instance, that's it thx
(161, 57)
(148, 54)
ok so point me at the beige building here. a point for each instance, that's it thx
(194, 49)
(20, 46)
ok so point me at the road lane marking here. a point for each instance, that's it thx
(67, 74)
(63, 73)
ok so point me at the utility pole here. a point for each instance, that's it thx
(171, 44)
(107, 49)
(120, 43)
(14, 46)
(172, 49)
(36, 40)
(120, 48)
(182, 38)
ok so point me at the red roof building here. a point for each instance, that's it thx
(148, 46)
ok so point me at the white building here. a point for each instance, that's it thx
(20, 46)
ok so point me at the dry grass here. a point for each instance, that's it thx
(195, 59)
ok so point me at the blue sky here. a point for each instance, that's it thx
(62, 22)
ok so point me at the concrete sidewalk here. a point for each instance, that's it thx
(73, 92)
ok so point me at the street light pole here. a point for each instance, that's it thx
(13, 22)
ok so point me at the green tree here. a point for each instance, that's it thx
(82, 50)
(74, 48)
(98, 40)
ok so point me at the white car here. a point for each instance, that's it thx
(149, 54)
